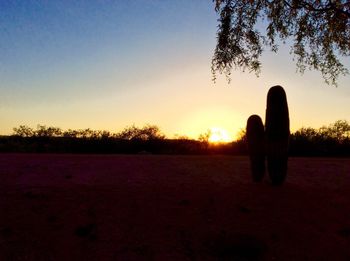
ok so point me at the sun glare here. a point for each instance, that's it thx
(219, 135)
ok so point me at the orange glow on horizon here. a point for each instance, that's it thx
(220, 124)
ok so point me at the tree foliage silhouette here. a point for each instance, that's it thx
(319, 32)
(148, 132)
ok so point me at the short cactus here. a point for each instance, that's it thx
(256, 147)
(277, 134)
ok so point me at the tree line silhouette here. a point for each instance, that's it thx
(331, 140)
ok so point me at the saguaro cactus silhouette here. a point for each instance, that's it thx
(256, 147)
(277, 134)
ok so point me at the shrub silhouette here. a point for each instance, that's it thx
(256, 147)
(277, 134)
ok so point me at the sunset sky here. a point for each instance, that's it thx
(107, 64)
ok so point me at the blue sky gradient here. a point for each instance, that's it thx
(108, 64)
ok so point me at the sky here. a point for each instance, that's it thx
(108, 64)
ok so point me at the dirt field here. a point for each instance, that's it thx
(98, 207)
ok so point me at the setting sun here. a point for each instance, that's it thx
(218, 135)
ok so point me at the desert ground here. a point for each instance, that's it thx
(148, 207)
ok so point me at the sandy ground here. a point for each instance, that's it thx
(99, 207)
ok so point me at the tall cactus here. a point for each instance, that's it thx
(277, 134)
(256, 147)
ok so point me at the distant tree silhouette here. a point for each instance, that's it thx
(43, 131)
(242, 135)
(70, 133)
(333, 140)
(339, 131)
(23, 131)
(204, 137)
(148, 132)
(319, 32)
